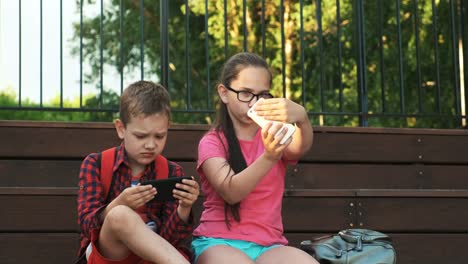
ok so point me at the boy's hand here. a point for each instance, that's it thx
(136, 196)
(190, 192)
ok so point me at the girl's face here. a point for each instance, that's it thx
(256, 81)
(144, 137)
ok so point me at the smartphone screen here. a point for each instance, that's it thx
(165, 187)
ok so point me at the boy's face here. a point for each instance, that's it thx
(144, 137)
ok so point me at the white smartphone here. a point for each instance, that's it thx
(261, 121)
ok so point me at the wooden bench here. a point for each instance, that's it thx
(409, 183)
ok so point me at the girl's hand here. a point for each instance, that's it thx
(281, 109)
(136, 196)
(188, 193)
(273, 148)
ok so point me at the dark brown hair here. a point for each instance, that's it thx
(223, 124)
(144, 97)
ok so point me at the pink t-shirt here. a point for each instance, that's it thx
(260, 211)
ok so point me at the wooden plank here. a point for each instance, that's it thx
(21, 192)
(45, 173)
(415, 214)
(76, 143)
(55, 142)
(390, 211)
(69, 141)
(376, 176)
(60, 204)
(37, 173)
(308, 214)
(388, 148)
(330, 146)
(414, 248)
(64, 173)
(38, 248)
(29, 213)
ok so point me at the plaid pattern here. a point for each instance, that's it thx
(91, 200)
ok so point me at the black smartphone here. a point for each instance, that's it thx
(165, 187)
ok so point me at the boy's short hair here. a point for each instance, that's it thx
(144, 97)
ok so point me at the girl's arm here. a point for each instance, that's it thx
(234, 186)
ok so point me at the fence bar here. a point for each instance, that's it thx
(436, 54)
(400, 59)
(142, 39)
(244, 18)
(61, 54)
(207, 56)
(465, 53)
(264, 29)
(164, 7)
(187, 56)
(340, 53)
(40, 54)
(303, 93)
(456, 88)
(121, 45)
(418, 53)
(226, 43)
(318, 14)
(81, 53)
(362, 89)
(381, 58)
(19, 53)
(283, 55)
(101, 63)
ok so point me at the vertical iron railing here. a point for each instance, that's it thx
(164, 14)
(395, 96)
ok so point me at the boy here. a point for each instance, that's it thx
(125, 227)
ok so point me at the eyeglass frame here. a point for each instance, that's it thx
(256, 96)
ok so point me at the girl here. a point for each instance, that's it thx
(242, 169)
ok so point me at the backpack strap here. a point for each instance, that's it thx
(162, 167)
(107, 164)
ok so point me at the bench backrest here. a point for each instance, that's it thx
(409, 183)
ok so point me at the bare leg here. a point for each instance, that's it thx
(223, 254)
(286, 254)
(123, 230)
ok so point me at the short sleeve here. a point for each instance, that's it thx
(211, 145)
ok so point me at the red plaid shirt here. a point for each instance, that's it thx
(91, 200)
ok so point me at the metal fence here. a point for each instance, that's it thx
(347, 62)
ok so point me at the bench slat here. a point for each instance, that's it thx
(376, 176)
(64, 173)
(302, 211)
(76, 142)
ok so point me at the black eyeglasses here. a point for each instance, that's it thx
(246, 96)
